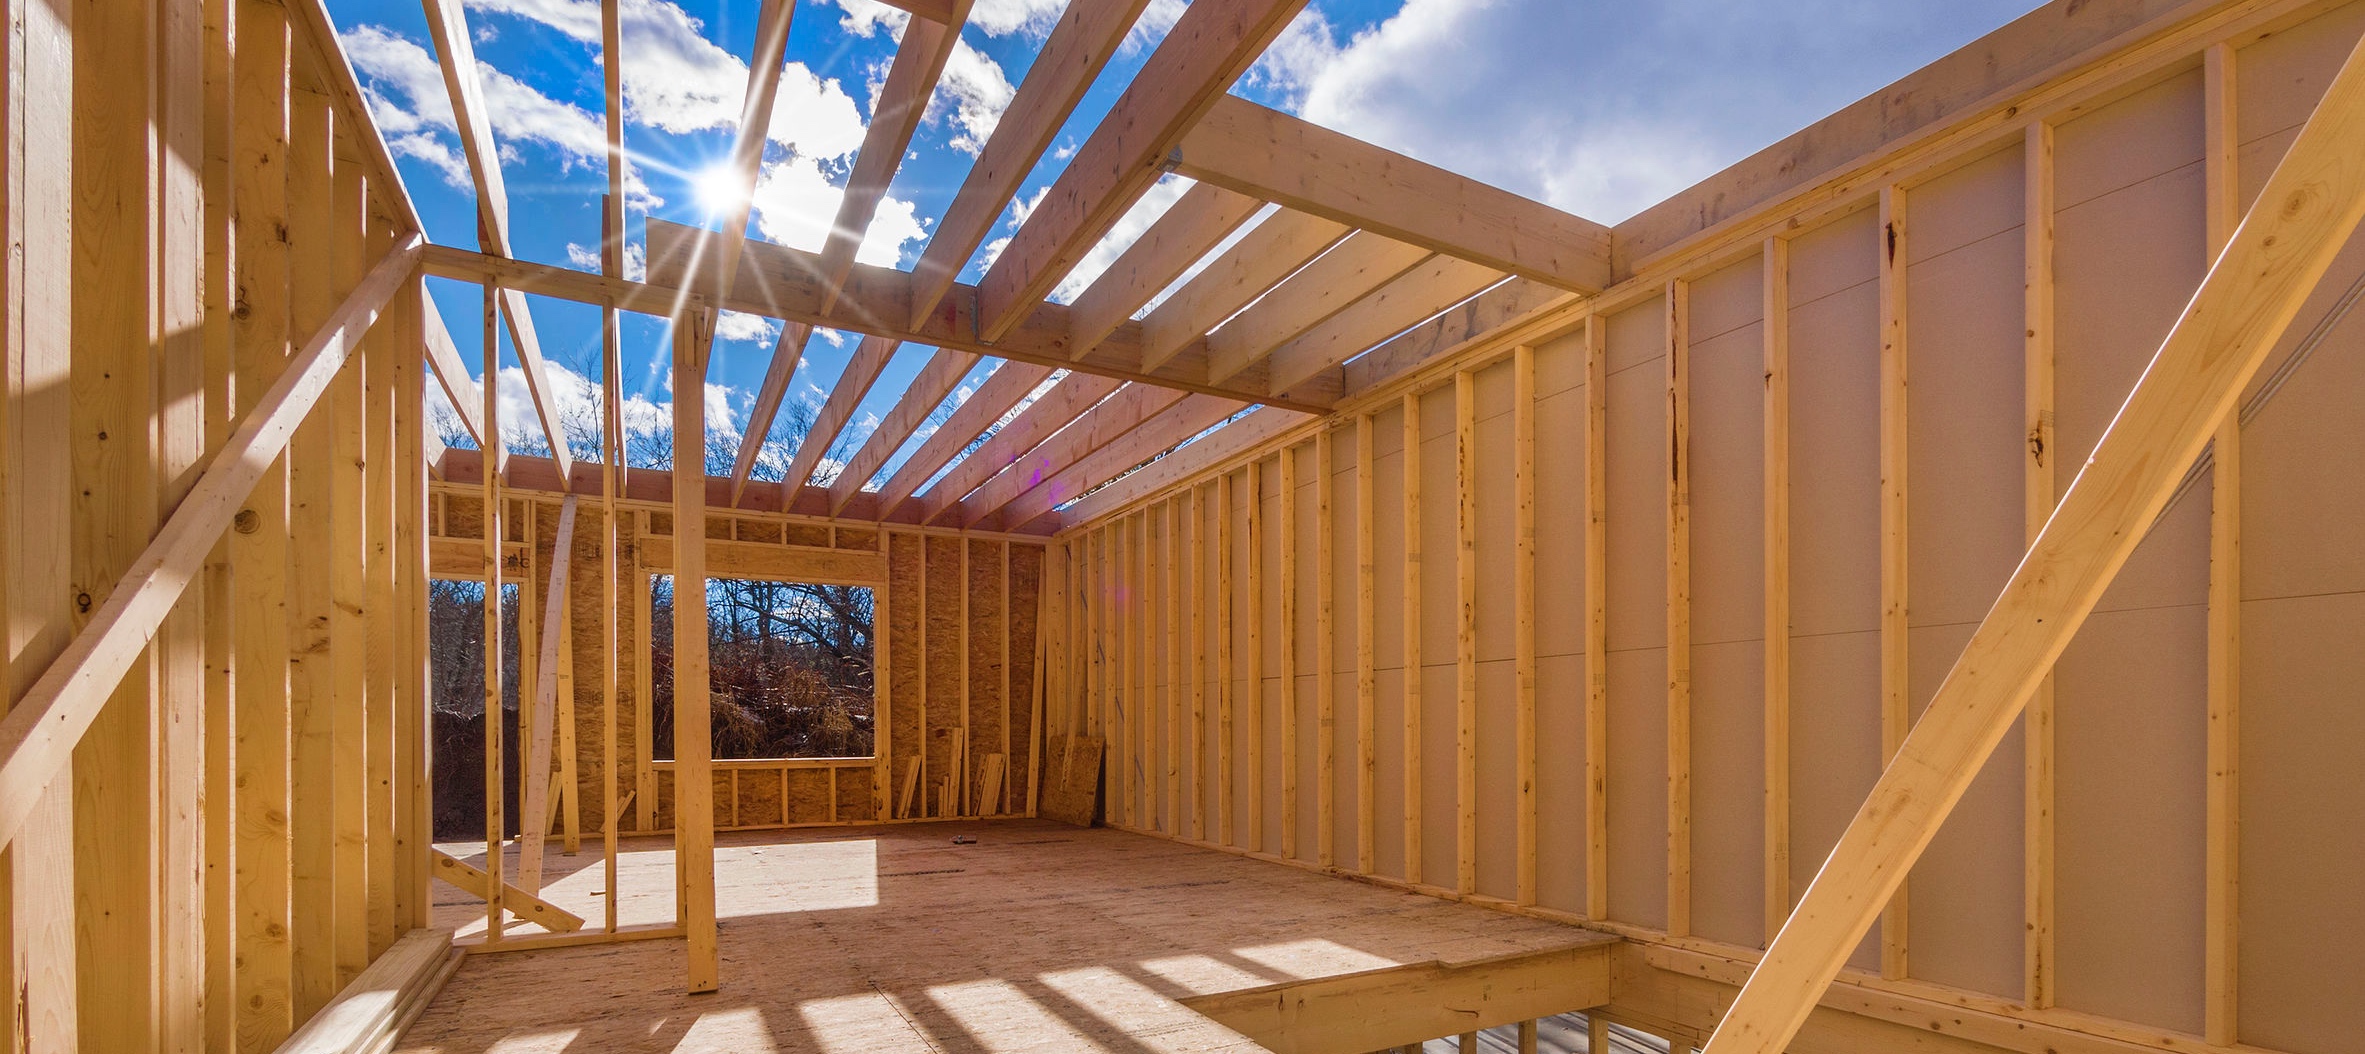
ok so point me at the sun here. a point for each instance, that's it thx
(719, 189)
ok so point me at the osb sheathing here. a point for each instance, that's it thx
(903, 665)
(759, 797)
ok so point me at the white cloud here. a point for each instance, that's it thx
(971, 96)
(636, 259)
(1665, 95)
(1001, 18)
(677, 80)
(732, 325)
(795, 205)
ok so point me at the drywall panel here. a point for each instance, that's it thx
(1637, 787)
(1560, 624)
(1835, 433)
(1440, 606)
(1388, 642)
(2114, 147)
(1266, 593)
(1306, 544)
(1965, 204)
(2300, 515)
(1560, 782)
(2278, 79)
(2303, 799)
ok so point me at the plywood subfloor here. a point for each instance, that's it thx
(1038, 937)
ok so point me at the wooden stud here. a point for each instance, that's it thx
(1679, 610)
(1465, 390)
(348, 581)
(1325, 651)
(1174, 666)
(1254, 750)
(1366, 658)
(1224, 690)
(1196, 553)
(312, 557)
(534, 773)
(1776, 417)
(693, 747)
(644, 765)
(1597, 842)
(1523, 616)
(1287, 585)
(2305, 213)
(1895, 672)
(2221, 959)
(495, 506)
(1412, 637)
(2037, 499)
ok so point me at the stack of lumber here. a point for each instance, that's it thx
(372, 1012)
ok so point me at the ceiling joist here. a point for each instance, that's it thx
(920, 399)
(1265, 153)
(1009, 383)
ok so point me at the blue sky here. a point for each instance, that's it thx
(1599, 108)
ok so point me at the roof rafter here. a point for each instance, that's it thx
(1199, 221)
(920, 398)
(1213, 43)
(1114, 417)
(1406, 301)
(862, 371)
(1334, 281)
(1067, 400)
(1267, 256)
(1009, 383)
(1252, 430)
(1269, 154)
(455, 53)
(1178, 422)
(1086, 36)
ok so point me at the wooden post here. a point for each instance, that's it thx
(1776, 341)
(2221, 961)
(1366, 660)
(1679, 609)
(1465, 431)
(1597, 683)
(1325, 651)
(693, 747)
(1412, 637)
(495, 508)
(1896, 716)
(1287, 583)
(2037, 498)
(1523, 616)
(312, 558)
(2304, 215)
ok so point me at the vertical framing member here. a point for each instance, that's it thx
(1366, 658)
(1196, 515)
(1597, 842)
(2037, 496)
(693, 747)
(1895, 673)
(495, 506)
(1465, 431)
(1325, 650)
(1679, 609)
(1523, 603)
(1412, 637)
(1224, 690)
(1289, 703)
(1254, 749)
(1776, 537)
(2221, 960)
(1174, 666)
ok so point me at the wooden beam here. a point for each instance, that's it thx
(1186, 417)
(1338, 278)
(1411, 616)
(1265, 153)
(788, 349)
(895, 115)
(455, 53)
(527, 906)
(1417, 295)
(862, 371)
(1523, 613)
(1775, 342)
(1071, 398)
(38, 735)
(1325, 652)
(2037, 500)
(459, 388)
(693, 746)
(1086, 36)
(1465, 433)
(2221, 883)
(534, 778)
(1001, 390)
(919, 400)
(1679, 608)
(1597, 680)
(1895, 671)
(1268, 254)
(1359, 1012)
(1366, 654)
(1134, 412)
(2304, 215)
(1198, 221)
(1208, 48)
(1252, 430)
